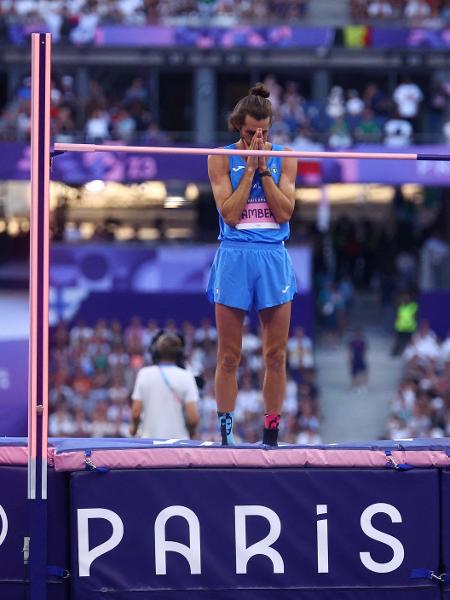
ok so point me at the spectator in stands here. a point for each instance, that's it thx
(304, 140)
(275, 91)
(88, 19)
(405, 323)
(354, 105)
(291, 113)
(134, 336)
(398, 132)
(153, 136)
(357, 347)
(340, 135)
(97, 126)
(408, 96)
(424, 344)
(375, 99)
(445, 349)
(437, 105)
(435, 262)
(123, 126)
(165, 396)
(368, 129)
(379, 9)
(446, 131)
(299, 353)
(417, 9)
(64, 126)
(406, 267)
(335, 108)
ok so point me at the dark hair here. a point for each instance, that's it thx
(256, 104)
(168, 346)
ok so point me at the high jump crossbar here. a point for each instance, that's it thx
(62, 147)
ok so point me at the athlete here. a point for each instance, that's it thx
(255, 200)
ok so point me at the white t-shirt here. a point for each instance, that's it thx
(417, 8)
(162, 412)
(407, 96)
(379, 9)
(398, 132)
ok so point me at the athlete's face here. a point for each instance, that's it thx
(250, 126)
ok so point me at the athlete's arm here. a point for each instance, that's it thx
(191, 417)
(136, 409)
(231, 204)
(281, 197)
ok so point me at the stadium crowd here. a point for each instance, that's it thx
(344, 118)
(421, 406)
(92, 373)
(424, 12)
(348, 116)
(76, 21)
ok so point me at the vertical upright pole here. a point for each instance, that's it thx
(39, 281)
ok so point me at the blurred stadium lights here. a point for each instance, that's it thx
(176, 233)
(13, 227)
(148, 234)
(173, 201)
(95, 186)
(353, 193)
(86, 230)
(192, 192)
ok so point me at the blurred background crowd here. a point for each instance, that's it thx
(69, 19)
(346, 116)
(93, 369)
(421, 406)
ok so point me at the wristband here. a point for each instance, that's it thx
(265, 173)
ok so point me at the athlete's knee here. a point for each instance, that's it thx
(228, 361)
(275, 359)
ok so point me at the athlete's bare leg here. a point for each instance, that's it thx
(275, 331)
(229, 322)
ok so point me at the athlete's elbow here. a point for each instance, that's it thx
(230, 220)
(283, 217)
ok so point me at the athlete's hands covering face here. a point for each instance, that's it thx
(252, 161)
(257, 143)
(262, 165)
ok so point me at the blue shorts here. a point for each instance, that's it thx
(246, 274)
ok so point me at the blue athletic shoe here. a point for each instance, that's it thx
(225, 421)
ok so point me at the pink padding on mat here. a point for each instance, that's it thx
(421, 458)
(13, 455)
(149, 458)
(18, 455)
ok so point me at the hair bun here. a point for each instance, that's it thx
(259, 90)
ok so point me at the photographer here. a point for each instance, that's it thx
(165, 395)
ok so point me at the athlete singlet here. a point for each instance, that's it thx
(257, 223)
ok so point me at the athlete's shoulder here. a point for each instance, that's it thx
(217, 161)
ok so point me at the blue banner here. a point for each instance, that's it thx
(161, 36)
(417, 37)
(15, 525)
(169, 281)
(245, 532)
(433, 306)
(13, 387)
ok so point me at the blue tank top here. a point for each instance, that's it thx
(257, 223)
